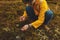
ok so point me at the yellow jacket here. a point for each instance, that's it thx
(42, 7)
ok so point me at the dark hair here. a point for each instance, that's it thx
(27, 1)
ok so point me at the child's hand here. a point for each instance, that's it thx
(24, 28)
(22, 18)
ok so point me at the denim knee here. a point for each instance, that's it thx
(31, 13)
(48, 16)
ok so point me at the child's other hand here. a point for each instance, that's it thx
(22, 18)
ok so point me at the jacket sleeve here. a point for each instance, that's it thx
(41, 17)
(25, 14)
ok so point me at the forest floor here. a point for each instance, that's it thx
(9, 18)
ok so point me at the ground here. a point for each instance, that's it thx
(10, 11)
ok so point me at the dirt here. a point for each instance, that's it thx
(9, 18)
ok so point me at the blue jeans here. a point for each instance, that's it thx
(32, 16)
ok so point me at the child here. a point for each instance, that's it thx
(38, 11)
